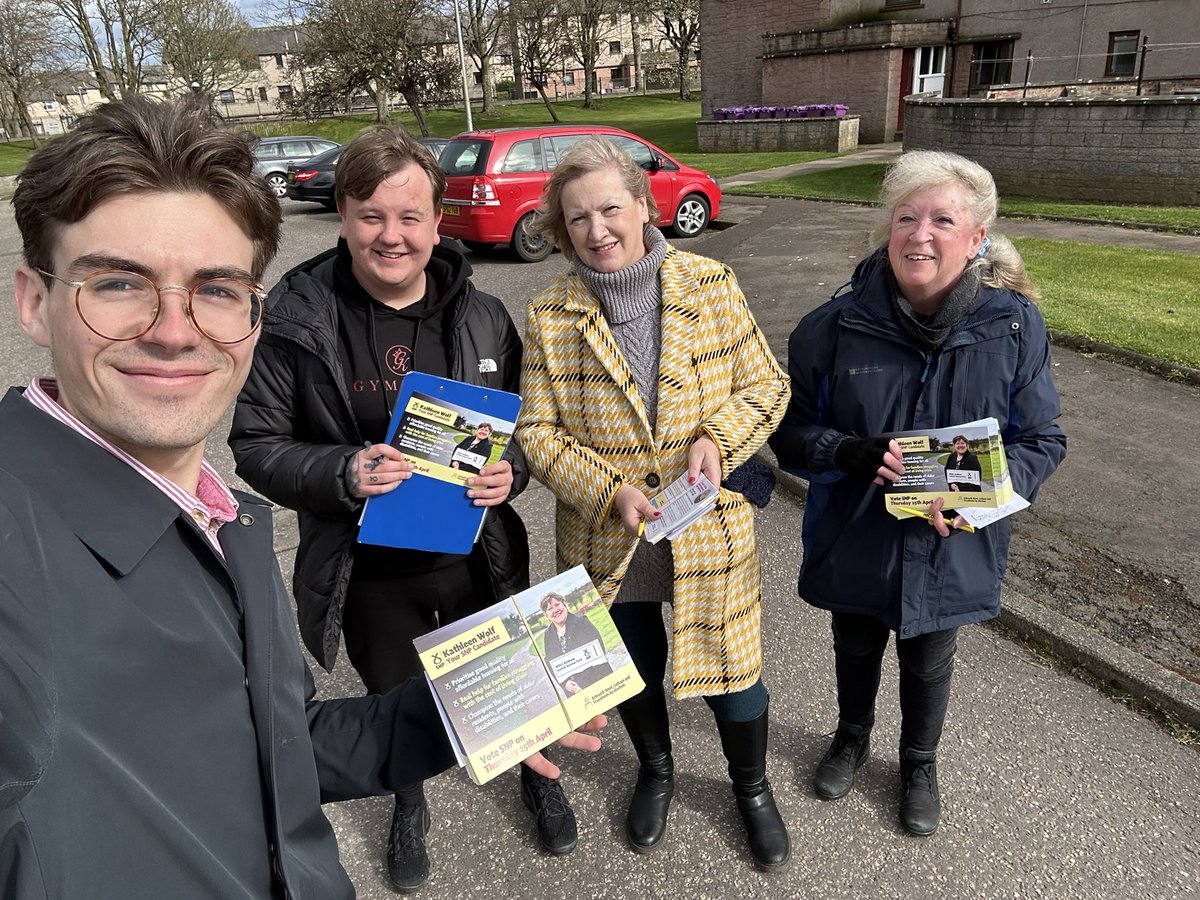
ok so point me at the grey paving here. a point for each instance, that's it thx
(1051, 788)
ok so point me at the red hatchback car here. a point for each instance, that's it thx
(494, 181)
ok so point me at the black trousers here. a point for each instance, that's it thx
(642, 628)
(385, 611)
(926, 667)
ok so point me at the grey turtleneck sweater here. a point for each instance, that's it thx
(631, 300)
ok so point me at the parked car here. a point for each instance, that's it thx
(272, 156)
(494, 180)
(313, 179)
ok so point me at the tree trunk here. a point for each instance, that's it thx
(91, 49)
(541, 89)
(517, 58)
(485, 72)
(589, 82)
(380, 106)
(26, 122)
(685, 92)
(414, 103)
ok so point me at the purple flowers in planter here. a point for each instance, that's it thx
(811, 110)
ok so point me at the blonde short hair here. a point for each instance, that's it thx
(1000, 263)
(586, 156)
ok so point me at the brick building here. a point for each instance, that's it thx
(870, 54)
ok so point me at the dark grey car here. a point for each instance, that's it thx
(314, 178)
(272, 156)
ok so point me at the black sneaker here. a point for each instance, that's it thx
(544, 798)
(407, 860)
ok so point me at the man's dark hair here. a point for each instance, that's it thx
(139, 145)
(374, 155)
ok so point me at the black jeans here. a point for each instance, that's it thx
(926, 667)
(385, 611)
(641, 626)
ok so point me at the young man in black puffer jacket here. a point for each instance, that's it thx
(342, 330)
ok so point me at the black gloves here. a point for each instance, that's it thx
(861, 457)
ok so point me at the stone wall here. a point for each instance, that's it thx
(1131, 150)
(870, 77)
(831, 134)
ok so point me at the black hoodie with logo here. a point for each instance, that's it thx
(325, 375)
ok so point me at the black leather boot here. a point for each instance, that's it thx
(745, 747)
(920, 803)
(645, 718)
(834, 775)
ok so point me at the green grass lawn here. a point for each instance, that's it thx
(661, 119)
(13, 156)
(862, 183)
(1142, 300)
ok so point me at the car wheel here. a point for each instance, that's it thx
(692, 216)
(531, 248)
(278, 184)
(477, 246)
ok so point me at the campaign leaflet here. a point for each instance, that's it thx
(681, 503)
(520, 674)
(963, 465)
(447, 441)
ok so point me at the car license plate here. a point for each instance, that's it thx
(450, 211)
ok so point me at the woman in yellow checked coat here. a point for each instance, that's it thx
(642, 363)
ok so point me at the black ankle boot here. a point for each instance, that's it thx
(745, 746)
(645, 718)
(920, 803)
(834, 775)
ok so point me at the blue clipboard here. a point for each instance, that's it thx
(434, 422)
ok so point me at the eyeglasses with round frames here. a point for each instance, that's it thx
(123, 306)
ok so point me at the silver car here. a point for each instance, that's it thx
(273, 154)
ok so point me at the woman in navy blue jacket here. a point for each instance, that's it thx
(937, 329)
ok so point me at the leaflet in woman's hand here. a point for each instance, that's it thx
(963, 465)
(681, 503)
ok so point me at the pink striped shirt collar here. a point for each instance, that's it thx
(211, 507)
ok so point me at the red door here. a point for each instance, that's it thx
(906, 80)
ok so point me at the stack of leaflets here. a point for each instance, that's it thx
(963, 465)
(681, 504)
(516, 676)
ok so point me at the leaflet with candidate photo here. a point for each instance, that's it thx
(963, 465)
(520, 674)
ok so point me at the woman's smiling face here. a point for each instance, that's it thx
(604, 220)
(933, 237)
